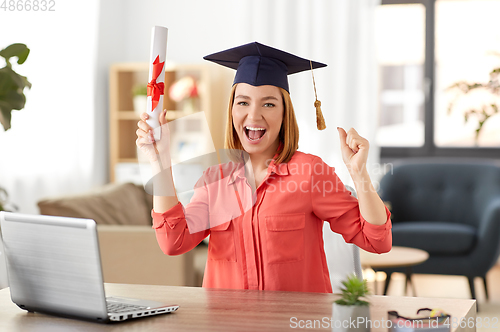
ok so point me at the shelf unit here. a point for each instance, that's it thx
(213, 90)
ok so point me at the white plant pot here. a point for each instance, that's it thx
(350, 318)
(140, 103)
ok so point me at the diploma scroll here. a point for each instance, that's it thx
(156, 80)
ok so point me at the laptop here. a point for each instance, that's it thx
(54, 267)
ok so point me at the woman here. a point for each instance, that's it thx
(265, 217)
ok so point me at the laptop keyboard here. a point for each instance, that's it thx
(115, 307)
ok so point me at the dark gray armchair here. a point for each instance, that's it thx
(449, 209)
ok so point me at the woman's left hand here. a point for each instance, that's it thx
(354, 150)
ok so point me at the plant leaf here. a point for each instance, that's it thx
(465, 87)
(494, 73)
(21, 51)
(16, 99)
(21, 81)
(21, 58)
(26, 82)
(9, 76)
(353, 289)
(6, 82)
(5, 115)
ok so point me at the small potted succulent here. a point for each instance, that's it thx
(351, 306)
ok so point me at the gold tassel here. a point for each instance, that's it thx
(320, 120)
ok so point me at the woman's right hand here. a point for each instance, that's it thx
(146, 143)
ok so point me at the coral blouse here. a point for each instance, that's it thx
(271, 238)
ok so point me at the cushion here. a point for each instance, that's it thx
(114, 204)
(438, 238)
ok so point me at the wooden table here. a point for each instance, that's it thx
(397, 257)
(225, 310)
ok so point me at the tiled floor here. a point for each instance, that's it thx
(453, 287)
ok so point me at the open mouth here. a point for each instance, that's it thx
(254, 134)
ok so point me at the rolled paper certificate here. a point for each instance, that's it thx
(156, 81)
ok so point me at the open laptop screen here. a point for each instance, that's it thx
(53, 264)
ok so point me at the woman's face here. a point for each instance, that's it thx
(257, 117)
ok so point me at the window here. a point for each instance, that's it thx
(423, 48)
(400, 55)
(467, 49)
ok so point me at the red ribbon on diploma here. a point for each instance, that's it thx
(155, 89)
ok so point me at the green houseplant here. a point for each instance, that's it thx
(12, 84)
(483, 112)
(354, 289)
(352, 306)
(11, 93)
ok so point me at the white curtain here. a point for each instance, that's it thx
(340, 34)
(49, 149)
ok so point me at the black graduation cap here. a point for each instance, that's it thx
(257, 64)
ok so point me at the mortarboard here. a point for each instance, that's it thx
(257, 64)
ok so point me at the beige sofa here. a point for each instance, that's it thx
(129, 251)
(112, 204)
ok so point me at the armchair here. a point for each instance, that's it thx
(449, 209)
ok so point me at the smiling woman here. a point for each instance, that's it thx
(265, 222)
